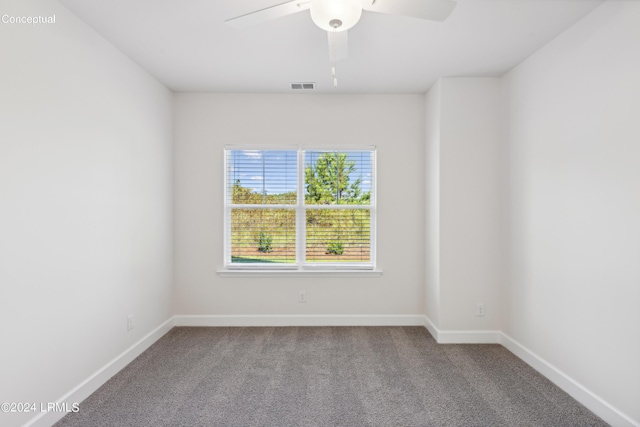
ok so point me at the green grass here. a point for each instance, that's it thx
(328, 232)
(283, 260)
(275, 259)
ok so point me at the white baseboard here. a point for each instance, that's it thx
(594, 403)
(299, 320)
(576, 390)
(462, 337)
(431, 328)
(95, 381)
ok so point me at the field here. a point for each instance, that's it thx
(332, 235)
(268, 235)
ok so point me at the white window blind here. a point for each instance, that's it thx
(299, 209)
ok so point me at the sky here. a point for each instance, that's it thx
(275, 171)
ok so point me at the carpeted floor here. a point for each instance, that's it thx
(326, 376)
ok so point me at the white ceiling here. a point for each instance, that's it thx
(186, 44)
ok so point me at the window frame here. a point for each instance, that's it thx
(300, 264)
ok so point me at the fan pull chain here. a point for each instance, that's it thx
(333, 65)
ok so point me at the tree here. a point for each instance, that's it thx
(242, 195)
(327, 181)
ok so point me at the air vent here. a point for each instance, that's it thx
(303, 86)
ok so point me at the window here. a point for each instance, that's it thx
(299, 209)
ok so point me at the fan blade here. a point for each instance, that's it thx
(338, 45)
(432, 10)
(268, 14)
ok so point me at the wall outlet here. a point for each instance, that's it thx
(129, 322)
(303, 296)
(480, 309)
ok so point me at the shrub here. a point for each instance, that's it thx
(265, 242)
(335, 248)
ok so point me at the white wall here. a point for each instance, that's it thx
(432, 199)
(204, 123)
(573, 290)
(463, 213)
(85, 204)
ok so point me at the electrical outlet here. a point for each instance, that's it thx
(479, 309)
(303, 296)
(129, 322)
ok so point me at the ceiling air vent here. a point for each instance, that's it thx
(303, 86)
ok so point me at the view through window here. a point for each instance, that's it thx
(300, 208)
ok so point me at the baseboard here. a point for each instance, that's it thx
(95, 381)
(462, 337)
(299, 320)
(576, 390)
(431, 328)
(594, 403)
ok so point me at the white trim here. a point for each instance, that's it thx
(297, 273)
(368, 207)
(576, 390)
(462, 337)
(334, 148)
(373, 209)
(301, 147)
(101, 376)
(299, 320)
(301, 209)
(261, 147)
(469, 337)
(431, 328)
(301, 220)
(226, 222)
(265, 207)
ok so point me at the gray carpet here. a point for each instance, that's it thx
(326, 376)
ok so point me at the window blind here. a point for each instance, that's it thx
(297, 208)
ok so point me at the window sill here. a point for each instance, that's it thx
(298, 273)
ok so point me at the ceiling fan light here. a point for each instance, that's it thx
(336, 15)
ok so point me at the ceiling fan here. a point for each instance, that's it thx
(337, 16)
